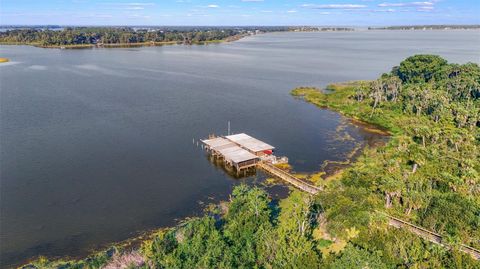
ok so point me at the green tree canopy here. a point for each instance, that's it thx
(419, 68)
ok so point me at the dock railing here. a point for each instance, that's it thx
(300, 184)
(392, 221)
(429, 235)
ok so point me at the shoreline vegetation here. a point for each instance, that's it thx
(4, 60)
(127, 45)
(120, 37)
(58, 37)
(427, 173)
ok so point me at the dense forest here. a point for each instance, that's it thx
(428, 174)
(52, 36)
(122, 35)
(81, 36)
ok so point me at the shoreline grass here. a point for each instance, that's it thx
(336, 98)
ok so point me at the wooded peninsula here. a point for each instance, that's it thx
(428, 174)
(86, 37)
(51, 36)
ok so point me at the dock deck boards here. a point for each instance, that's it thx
(300, 184)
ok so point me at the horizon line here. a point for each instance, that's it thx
(240, 25)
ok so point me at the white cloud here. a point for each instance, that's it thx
(334, 6)
(407, 4)
(136, 4)
(137, 16)
(425, 9)
(385, 10)
(130, 6)
(213, 6)
(93, 16)
(292, 11)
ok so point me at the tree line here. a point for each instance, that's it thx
(114, 35)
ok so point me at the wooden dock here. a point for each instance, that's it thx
(429, 235)
(279, 173)
(392, 221)
(475, 253)
(242, 152)
(239, 151)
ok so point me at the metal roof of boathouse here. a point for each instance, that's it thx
(237, 155)
(250, 143)
(229, 150)
(218, 143)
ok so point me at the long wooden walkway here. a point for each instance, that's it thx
(393, 221)
(299, 184)
(430, 236)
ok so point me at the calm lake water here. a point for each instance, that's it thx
(96, 145)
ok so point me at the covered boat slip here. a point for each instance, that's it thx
(233, 155)
(253, 145)
(240, 151)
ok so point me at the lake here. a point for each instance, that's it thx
(96, 144)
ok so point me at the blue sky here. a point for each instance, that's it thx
(239, 12)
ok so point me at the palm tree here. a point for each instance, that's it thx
(391, 186)
(417, 194)
(416, 156)
(376, 94)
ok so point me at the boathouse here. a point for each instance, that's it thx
(232, 154)
(253, 145)
(242, 152)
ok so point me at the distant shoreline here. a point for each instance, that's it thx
(124, 45)
(428, 27)
(241, 36)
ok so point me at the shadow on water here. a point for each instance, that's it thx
(229, 171)
(252, 177)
